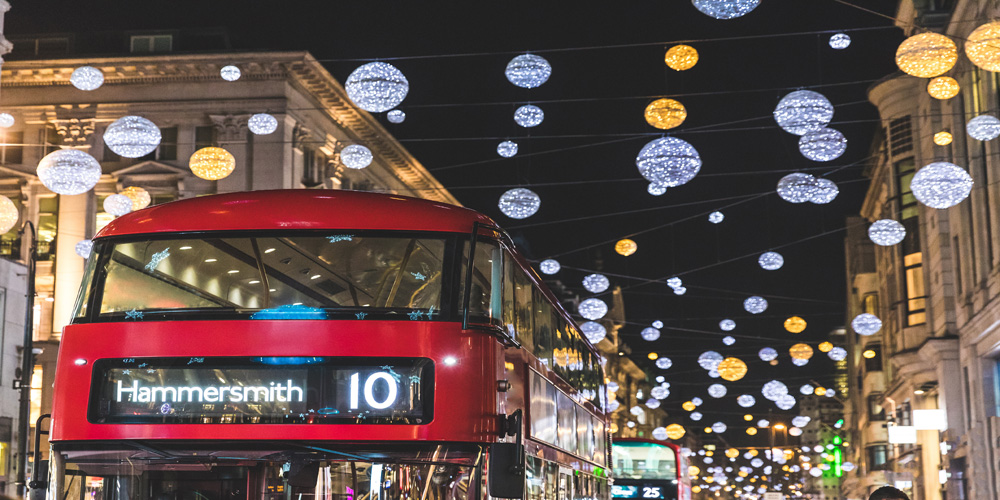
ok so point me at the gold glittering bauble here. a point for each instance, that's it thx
(212, 164)
(675, 431)
(795, 324)
(820, 391)
(665, 114)
(693, 470)
(696, 489)
(689, 406)
(681, 57)
(825, 347)
(801, 351)
(926, 55)
(732, 453)
(8, 214)
(983, 46)
(732, 369)
(773, 362)
(708, 430)
(626, 247)
(754, 453)
(942, 138)
(614, 428)
(943, 87)
(652, 355)
(748, 417)
(752, 431)
(868, 354)
(140, 198)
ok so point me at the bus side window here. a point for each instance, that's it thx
(523, 288)
(543, 329)
(560, 346)
(535, 472)
(551, 481)
(509, 282)
(481, 299)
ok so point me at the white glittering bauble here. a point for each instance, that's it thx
(825, 192)
(596, 283)
(840, 41)
(725, 9)
(866, 324)
(800, 362)
(774, 390)
(680, 290)
(716, 217)
(717, 390)
(612, 405)
(376, 87)
(660, 433)
(767, 354)
(668, 161)
(396, 116)
(650, 334)
(519, 203)
(771, 261)
(837, 354)
(356, 156)
(823, 145)
(710, 360)
(657, 324)
(797, 187)
(983, 127)
(746, 400)
(262, 124)
(794, 432)
(803, 111)
(656, 189)
(6, 120)
(507, 149)
(659, 392)
(727, 325)
(664, 363)
(132, 136)
(9, 214)
(714, 373)
(652, 403)
(786, 402)
(69, 171)
(529, 116)
(595, 332)
(696, 416)
(636, 410)
(719, 427)
(87, 78)
(847, 466)
(941, 185)
(728, 340)
(549, 266)
(83, 248)
(230, 73)
(755, 304)
(697, 401)
(674, 282)
(886, 232)
(757, 462)
(593, 309)
(117, 204)
(528, 71)
(612, 386)
(806, 389)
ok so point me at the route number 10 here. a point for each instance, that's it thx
(369, 391)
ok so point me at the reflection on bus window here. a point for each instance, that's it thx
(643, 461)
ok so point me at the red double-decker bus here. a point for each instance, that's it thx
(323, 345)
(647, 469)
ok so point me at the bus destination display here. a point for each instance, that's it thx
(268, 390)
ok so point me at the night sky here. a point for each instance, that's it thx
(581, 159)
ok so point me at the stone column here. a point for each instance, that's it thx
(232, 136)
(72, 227)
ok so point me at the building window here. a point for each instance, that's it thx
(10, 242)
(12, 147)
(877, 456)
(168, 144)
(204, 137)
(900, 136)
(41, 46)
(48, 222)
(916, 298)
(875, 409)
(870, 303)
(145, 44)
(873, 358)
(36, 394)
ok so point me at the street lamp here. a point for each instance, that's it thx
(23, 382)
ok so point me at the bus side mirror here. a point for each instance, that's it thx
(38, 486)
(506, 470)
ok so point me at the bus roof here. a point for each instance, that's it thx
(296, 209)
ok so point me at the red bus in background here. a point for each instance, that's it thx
(643, 468)
(323, 345)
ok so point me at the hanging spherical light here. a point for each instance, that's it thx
(732, 369)
(840, 41)
(847, 466)
(866, 324)
(825, 192)
(746, 400)
(801, 351)
(674, 282)
(983, 127)
(926, 55)
(117, 204)
(803, 111)
(806, 390)
(729, 340)
(717, 390)
(660, 433)
(665, 114)
(942, 138)
(529, 116)
(753, 432)
(139, 196)
(786, 402)
(719, 427)
(732, 453)
(592, 309)
(650, 334)
(595, 332)
(713, 373)
(830, 393)
(767, 354)
(212, 163)
(941, 185)
(396, 116)
(822, 390)
(681, 57)
(83, 248)
(716, 217)
(549, 266)
(797, 187)
(626, 247)
(800, 362)
(69, 171)
(668, 161)
(795, 324)
(8, 214)
(132, 136)
(262, 124)
(519, 203)
(824, 346)
(771, 261)
(664, 363)
(755, 304)
(87, 78)
(727, 325)
(652, 403)
(230, 73)
(657, 324)
(688, 406)
(837, 354)
(675, 431)
(656, 189)
(636, 410)
(376, 87)
(696, 416)
(356, 156)
(596, 283)
(528, 71)
(725, 9)
(774, 390)
(710, 360)
(886, 232)
(943, 87)
(823, 145)
(507, 149)
(6, 120)
(981, 46)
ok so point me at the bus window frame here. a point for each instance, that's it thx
(501, 239)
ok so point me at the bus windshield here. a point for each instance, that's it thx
(394, 275)
(637, 460)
